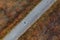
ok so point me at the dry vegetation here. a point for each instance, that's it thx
(47, 27)
(12, 12)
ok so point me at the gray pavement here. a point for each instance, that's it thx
(33, 16)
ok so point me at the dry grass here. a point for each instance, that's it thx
(47, 27)
(12, 12)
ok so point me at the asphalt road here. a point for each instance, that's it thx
(33, 16)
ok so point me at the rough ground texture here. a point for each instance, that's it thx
(13, 11)
(47, 27)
